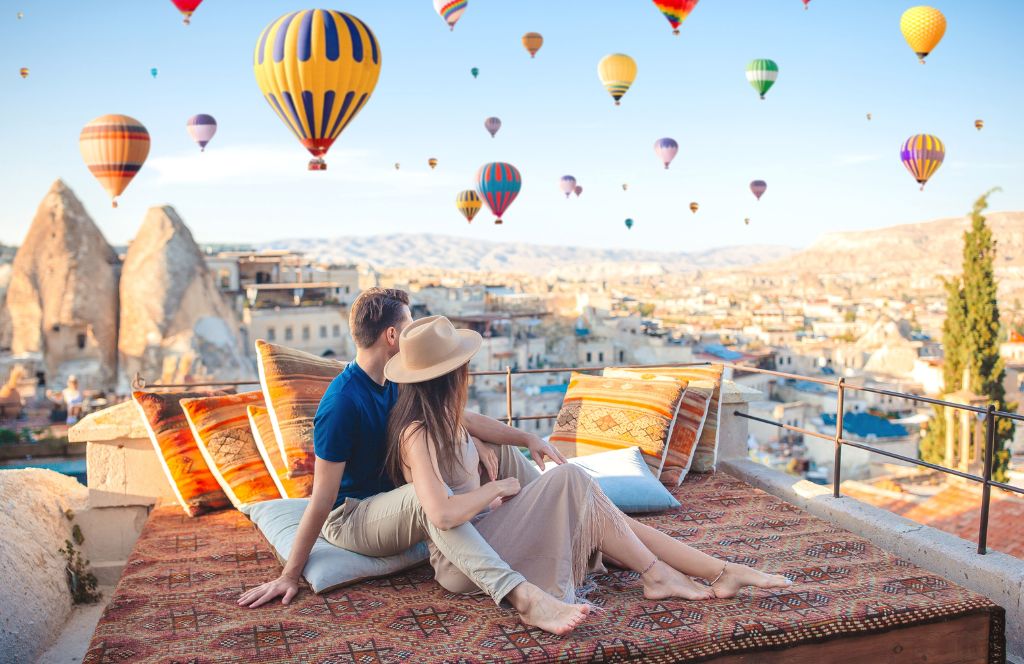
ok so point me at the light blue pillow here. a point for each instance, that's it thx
(329, 567)
(624, 477)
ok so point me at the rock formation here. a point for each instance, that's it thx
(62, 297)
(175, 324)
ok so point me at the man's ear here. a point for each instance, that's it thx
(392, 335)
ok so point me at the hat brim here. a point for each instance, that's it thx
(397, 372)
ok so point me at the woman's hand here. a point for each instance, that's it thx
(488, 459)
(283, 586)
(507, 488)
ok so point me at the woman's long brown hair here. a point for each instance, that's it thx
(435, 408)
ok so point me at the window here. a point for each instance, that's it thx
(305, 333)
(80, 341)
(288, 333)
(323, 331)
(622, 356)
(600, 356)
(336, 331)
(271, 334)
(588, 357)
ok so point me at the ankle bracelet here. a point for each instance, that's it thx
(720, 574)
(648, 568)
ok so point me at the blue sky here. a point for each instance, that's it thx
(827, 167)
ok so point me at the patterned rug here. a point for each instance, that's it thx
(176, 599)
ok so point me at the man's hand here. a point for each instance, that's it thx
(539, 449)
(263, 593)
(488, 458)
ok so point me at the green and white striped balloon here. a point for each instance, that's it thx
(761, 74)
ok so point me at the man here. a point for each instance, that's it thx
(355, 506)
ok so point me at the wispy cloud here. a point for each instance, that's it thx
(980, 165)
(855, 159)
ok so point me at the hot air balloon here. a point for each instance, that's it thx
(316, 69)
(923, 28)
(492, 125)
(578, 190)
(625, 186)
(468, 203)
(475, 71)
(153, 72)
(666, 149)
(869, 117)
(694, 207)
(21, 15)
(114, 148)
(747, 221)
(532, 41)
(567, 185)
(201, 128)
(761, 74)
(432, 162)
(806, 3)
(629, 224)
(617, 72)
(450, 10)
(397, 165)
(24, 72)
(498, 184)
(186, 7)
(979, 123)
(758, 187)
(922, 155)
(675, 11)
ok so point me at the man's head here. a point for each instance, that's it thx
(378, 317)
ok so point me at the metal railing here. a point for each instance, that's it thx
(990, 414)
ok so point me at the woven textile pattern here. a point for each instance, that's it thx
(176, 599)
(600, 414)
(221, 428)
(693, 411)
(266, 443)
(188, 473)
(293, 383)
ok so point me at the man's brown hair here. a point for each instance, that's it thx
(375, 310)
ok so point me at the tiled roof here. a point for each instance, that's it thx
(866, 424)
(956, 509)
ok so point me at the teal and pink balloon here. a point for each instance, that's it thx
(475, 71)
(758, 187)
(567, 184)
(201, 128)
(492, 125)
(629, 224)
(578, 190)
(498, 184)
(761, 74)
(153, 72)
(666, 149)
(922, 155)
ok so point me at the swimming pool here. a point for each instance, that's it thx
(71, 466)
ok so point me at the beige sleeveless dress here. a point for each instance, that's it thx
(550, 532)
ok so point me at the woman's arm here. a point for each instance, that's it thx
(491, 430)
(443, 509)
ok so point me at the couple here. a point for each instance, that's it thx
(396, 417)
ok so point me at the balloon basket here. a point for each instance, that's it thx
(618, 103)
(676, 32)
(187, 21)
(498, 222)
(113, 203)
(317, 165)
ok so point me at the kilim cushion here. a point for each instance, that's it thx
(220, 426)
(194, 485)
(266, 443)
(705, 377)
(293, 383)
(600, 414)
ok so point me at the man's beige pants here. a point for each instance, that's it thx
(394, 521)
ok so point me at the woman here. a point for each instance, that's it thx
(552, 531)
(72, 399)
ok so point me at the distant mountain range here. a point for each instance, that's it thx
(464, 254)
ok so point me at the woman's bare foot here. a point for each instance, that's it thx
(662, 582)
(539, 609)
(738, 576)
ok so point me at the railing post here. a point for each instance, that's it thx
(836, 472)
(508, 395)
(986, 488)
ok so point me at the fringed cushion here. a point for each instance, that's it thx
(266, 443)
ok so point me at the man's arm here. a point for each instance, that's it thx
(326, 480)
(491, 430)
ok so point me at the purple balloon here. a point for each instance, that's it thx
(666, 149)
(758, 187)
(492, 125)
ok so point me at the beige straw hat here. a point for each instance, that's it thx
(431, 347)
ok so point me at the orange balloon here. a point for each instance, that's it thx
(114, 148)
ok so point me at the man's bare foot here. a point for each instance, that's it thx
(662, 582)
(539, 609)
(738, 576)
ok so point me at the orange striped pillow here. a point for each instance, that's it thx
(705, 377)
(293, 383)
(601, 414)
(266, 443)
(194, 485)
(221, 428)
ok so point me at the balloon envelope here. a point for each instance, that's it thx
(24, 72)
(675, 11)
(153, 72)
(475, 71)
(567, 185)
(186, 7)
(758, 187)
(468, 203)
(761, 74)
(114, 148)
(532, 41)
(578, 190)
(629, 224)
(492, 125)
(617, 72)
(978, 124)
(666, 149)
(316, 86)
(201, 128)
(694, 207)
(922, 155)
(450, 10)
(432, 162)
(923, 28)
(498, 183)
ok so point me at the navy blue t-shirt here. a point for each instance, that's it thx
(351, 426)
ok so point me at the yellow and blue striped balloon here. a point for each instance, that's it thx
(316, 69)
(922, 155)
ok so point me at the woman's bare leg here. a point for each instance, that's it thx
(689, 560)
